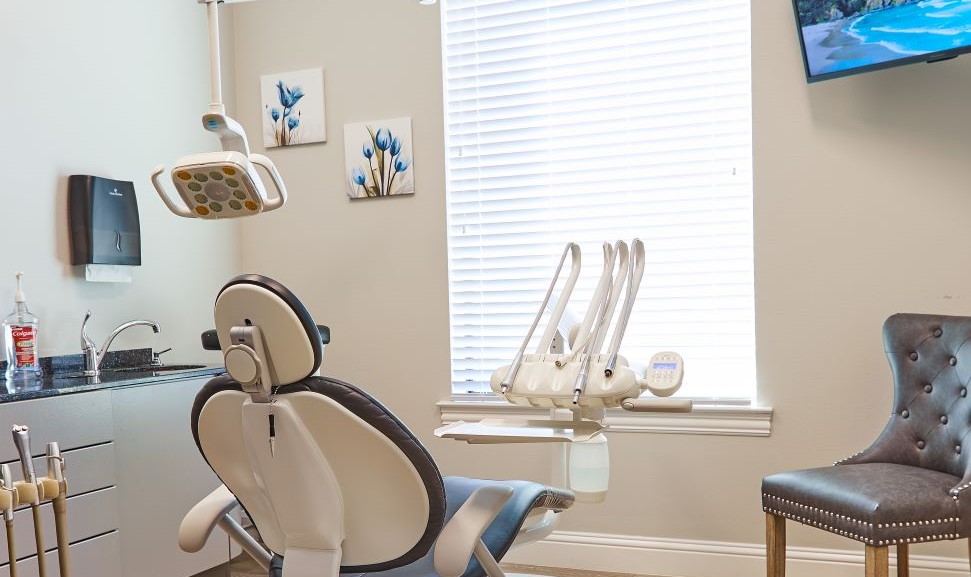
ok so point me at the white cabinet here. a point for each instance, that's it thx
(161, 475)
(98, 556)
(133, 472)
(81, 424)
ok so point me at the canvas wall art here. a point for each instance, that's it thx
(293, 108)
(380, 158)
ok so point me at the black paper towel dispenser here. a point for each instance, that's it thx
(103, 219)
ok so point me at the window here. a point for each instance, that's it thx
(594, 121)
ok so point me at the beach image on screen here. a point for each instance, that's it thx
(845, 34)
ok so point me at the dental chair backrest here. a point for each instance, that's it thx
(331, 479)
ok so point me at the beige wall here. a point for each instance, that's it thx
(110, 90)
(861, 200)
(861, 211)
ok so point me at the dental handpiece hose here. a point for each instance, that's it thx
(6, 484)
(55, 470)
(21, 439)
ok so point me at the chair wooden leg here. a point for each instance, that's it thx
(903, 560)
(775, 545)
(877, 561)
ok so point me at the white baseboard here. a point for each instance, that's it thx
(684, 558)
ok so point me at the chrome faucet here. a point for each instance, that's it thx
(92, 356)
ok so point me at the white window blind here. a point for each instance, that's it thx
(593, 121)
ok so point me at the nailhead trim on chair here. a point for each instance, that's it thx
(806, 521)
(956, 491)
(857, 536)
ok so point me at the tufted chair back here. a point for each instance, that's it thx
(930, 356)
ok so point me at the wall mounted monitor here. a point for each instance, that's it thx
(843, 37)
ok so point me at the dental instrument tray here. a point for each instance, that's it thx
(491, 431)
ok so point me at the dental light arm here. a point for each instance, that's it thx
(220, 184)
(230, 133)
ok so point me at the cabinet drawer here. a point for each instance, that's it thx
(88, 515)
(88, 469)
(99, 557)
(73, 421)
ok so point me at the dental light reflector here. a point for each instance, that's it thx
(221, 185)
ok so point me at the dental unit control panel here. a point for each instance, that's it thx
(664, 373)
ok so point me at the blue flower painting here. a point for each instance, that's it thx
(293, 108)
(379, 158)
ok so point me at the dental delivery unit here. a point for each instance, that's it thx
(580, 385)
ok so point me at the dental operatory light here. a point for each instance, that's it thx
(221, 184)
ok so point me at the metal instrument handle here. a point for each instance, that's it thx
(21, 439)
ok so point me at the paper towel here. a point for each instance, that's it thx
(107, 273)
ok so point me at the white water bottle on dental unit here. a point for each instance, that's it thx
(588, 469)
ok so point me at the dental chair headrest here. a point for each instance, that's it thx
(289, 344)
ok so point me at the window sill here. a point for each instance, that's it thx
(706, 418)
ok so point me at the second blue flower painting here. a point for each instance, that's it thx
(293, 108)
(379, 158)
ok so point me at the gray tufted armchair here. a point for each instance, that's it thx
(913, 484)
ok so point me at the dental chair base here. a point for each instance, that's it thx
(530, 514)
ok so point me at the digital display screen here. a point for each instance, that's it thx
(665, 366)
(844, 37)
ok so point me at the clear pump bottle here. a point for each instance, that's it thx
(20, 339)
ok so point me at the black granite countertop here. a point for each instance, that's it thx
(63, 375)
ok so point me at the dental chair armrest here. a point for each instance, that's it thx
(460, 536)
(199, 522)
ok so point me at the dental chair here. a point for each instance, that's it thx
(333, 482)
